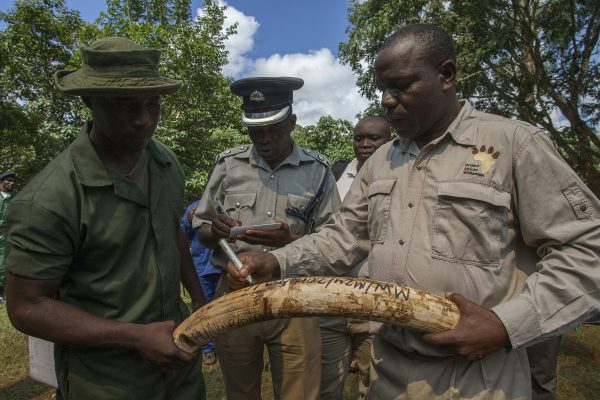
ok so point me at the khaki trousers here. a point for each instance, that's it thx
(543, 357)
(341, 340)
(401, 375)
(294, 347)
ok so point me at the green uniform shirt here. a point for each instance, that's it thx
(115, 249)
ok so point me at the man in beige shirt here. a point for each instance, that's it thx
(271, 180)
(461, 202)
(346, 339)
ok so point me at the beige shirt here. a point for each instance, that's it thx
(469, 212)
(254, 193)
(347, 177)
(343, 186)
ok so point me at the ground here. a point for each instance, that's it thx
(578, 368)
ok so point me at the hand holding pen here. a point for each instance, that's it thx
(222, 224)
(226, 247)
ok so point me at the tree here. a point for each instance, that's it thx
(36, 122)
(330, 137)
(203, 118)
(42, 36)
(534, 60)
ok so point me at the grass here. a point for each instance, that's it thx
(578, 368)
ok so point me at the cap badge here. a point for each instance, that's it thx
(257, 96)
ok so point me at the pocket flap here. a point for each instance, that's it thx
(234, 201)
(578, 201)
(297, 202)
(474, 190)
(382, 186)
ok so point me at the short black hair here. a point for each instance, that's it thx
(434, 42)
(376, 118)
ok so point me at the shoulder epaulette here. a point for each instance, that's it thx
(232, 152)
(317, 156)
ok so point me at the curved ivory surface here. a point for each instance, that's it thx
(317, 296)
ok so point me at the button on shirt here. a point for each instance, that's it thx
(469, 212)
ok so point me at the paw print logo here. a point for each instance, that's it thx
(487, 157)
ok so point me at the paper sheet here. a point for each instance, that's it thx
(41, 361)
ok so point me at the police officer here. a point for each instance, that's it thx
(272, 180)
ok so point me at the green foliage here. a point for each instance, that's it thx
(42, 36)
(194, 120)
(330, 137)
(523, 59)
(36, 122)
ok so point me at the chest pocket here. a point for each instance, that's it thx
(240, 206)
(296, 202)
(470, 223)
(379, 197)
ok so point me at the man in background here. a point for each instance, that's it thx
(344, 340)
(7, 186)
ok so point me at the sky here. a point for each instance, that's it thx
(282, 38)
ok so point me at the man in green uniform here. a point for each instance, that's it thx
(7, 185)
(271, 180)
(95, 264)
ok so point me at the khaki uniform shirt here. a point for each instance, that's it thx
(115, 250)
(343, 186)
(469, 212)
(254, 193)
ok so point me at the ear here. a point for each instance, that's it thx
(447, 73)
(292, 122)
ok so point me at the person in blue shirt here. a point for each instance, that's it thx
(208, 275)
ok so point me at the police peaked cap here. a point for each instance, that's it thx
(7, 174)
(266, 100)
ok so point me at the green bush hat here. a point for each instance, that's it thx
(116, 66)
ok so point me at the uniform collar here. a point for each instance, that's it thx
(351, 169)
(464, 127)
(89, 168)
(462, 130)
(295, 158)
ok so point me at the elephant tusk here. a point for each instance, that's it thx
(317, 296)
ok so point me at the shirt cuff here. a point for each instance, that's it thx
(520, 319)
(282, 261)
(196, 222)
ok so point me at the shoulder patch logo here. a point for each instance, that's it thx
(257, 96)
(487, 158)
